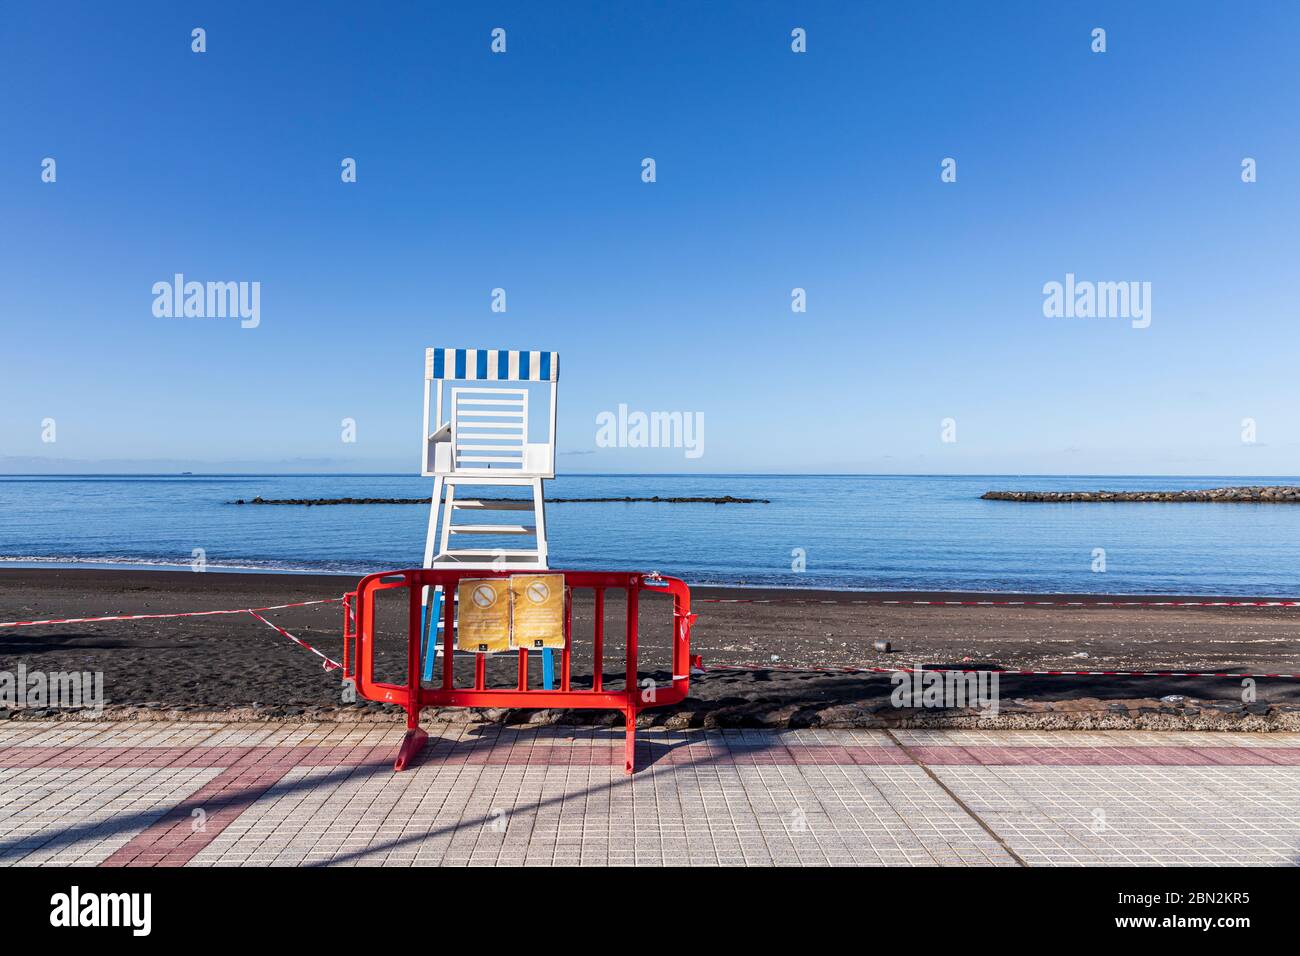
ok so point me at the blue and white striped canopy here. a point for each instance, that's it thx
(499, 365)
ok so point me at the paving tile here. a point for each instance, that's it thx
(160, 793)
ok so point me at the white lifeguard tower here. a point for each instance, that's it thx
(486, 443)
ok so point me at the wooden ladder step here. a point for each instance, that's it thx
(485, 553)
(493, 529)
(497, 558)
(480, 505)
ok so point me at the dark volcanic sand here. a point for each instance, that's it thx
(234, 661)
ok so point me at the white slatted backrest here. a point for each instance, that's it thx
(489, 428)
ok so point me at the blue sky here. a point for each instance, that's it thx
(775, 170)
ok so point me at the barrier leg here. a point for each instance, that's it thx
(415, 738)
(412, 744)
(631, 686)
(629, 743)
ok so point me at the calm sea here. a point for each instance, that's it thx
(865, 532)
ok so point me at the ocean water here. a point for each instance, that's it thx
(860, 532)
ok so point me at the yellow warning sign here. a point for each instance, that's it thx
(538, 601)
(483, 615)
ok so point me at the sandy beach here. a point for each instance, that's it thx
(767, 664)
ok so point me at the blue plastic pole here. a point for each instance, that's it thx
(429, 648)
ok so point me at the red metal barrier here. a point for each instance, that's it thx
(359, 650)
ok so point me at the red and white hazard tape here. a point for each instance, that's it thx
(879, 602)
(329, 664)
(148, 617)
(999, 671)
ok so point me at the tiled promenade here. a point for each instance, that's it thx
(315, 794)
